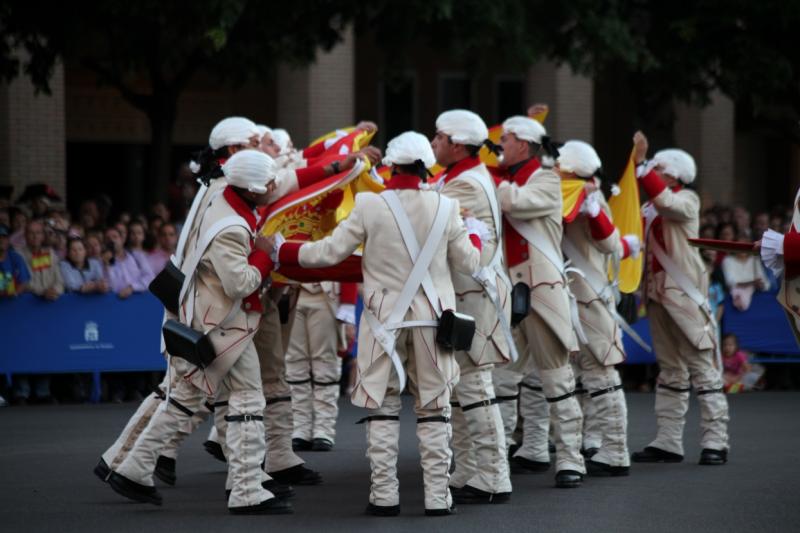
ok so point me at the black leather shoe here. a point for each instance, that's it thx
(441, 512)
(134, 491)
(589, 452)
(271, 506)
(296, 475)
(382, 510)
(651, 454)
(520, 465)
(568, 479)
(300, 445)
(280, 490)
(215, 449)
(598, 469)
(472, 495)
(713, 457)
(321, 445)
(165, 470)
(102, 470)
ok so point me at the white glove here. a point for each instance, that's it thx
(634, 245)
(591, 205)
(275, 253)
(477, 227)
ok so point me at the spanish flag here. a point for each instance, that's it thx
(625, 209)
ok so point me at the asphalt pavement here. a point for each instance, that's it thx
(47, 454)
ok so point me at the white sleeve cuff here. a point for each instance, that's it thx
(477, 227)
(346, 313)
(772, 251)
(644, 168)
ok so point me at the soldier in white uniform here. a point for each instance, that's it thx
(229, 136)
(593, 244)
(397, 337)
(481, 466)
(313, 367)
(682, 324)
(532, 203)
(221, 298)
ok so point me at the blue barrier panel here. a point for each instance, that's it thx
(81, 333)
(635, 354)
(763, 328)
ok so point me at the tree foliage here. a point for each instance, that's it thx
(150, 50)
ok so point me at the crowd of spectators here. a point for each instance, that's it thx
(46, 251)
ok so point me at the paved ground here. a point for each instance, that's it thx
(47, 455)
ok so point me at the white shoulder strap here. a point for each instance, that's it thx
(385, 333)
(491, 196)
(421, 258)
(677, 275)
(595, 280)
(177, 259)
(537, 241)
(190, 267)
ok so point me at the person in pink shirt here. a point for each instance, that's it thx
(734, 363)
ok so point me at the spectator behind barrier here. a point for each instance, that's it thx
(167, 242)
(124, 272)
(14, 275)
(81, 273)
(744, 274)
(42, 263)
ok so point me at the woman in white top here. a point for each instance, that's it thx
(743, 276)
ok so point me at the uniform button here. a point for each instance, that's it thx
(519, 274)
(489, 338)
(248, 305)
(249, 330)
(460, 298)
(483, 295)
(385, 290)
(522, 241)
(524, 255)
(221, 333)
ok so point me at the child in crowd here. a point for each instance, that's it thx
(735, 364)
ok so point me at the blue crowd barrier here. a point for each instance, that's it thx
(81, 333)
(101, 333)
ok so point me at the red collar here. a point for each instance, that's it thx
(461, 167)
(404, 181)
(524, 172)
(240, 206)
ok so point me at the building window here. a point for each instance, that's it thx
(398, 106)
(455, 92)
(509, 97)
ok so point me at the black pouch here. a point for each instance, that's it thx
(520, 302)
(455, 331)
(167, 287)
(283, 309)
(187, 343)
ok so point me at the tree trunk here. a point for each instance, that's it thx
(162, 124)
